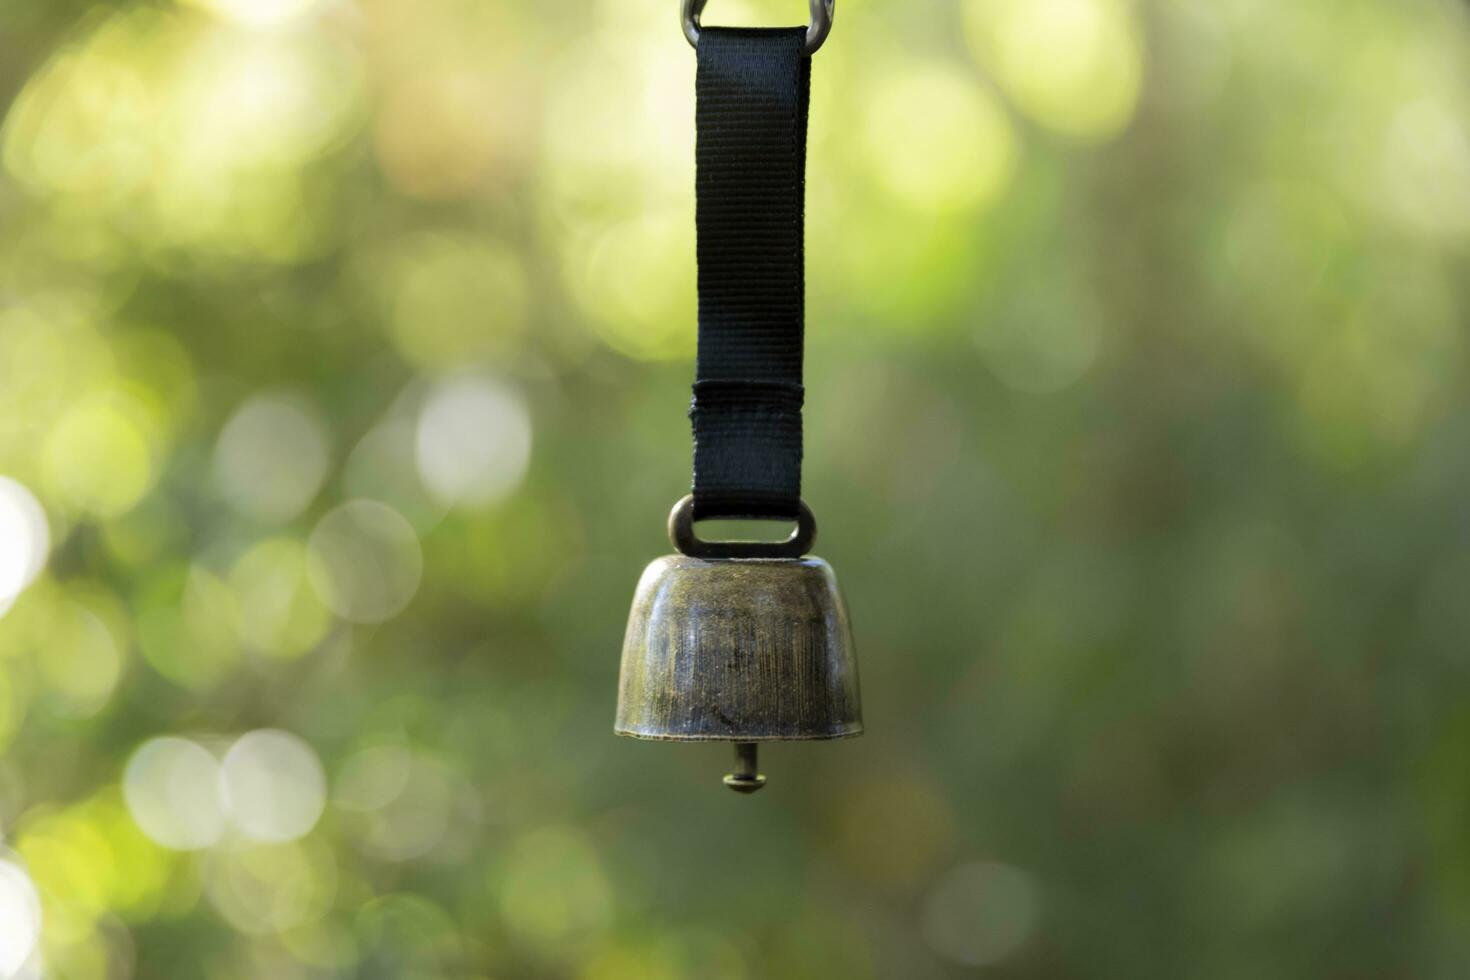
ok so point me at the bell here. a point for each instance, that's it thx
(738, 642)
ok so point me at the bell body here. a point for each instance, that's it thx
(740, 650)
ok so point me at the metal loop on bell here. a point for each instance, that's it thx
(816, 32)
(686, 542)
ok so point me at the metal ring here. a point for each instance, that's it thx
(816, 32)
(686, 542)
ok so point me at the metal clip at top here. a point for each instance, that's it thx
(686, 542)
(816, 32)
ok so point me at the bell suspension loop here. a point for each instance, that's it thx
(736, 641)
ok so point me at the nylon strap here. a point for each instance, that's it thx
(752, 96)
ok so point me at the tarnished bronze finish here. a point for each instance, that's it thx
(740, 650)
(738, 642)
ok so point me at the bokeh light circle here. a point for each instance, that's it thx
(981, 913)
(444, 135)
(171, 786)
(384, 467)
(1075, 66)
(554, 887)
(280, 614)
(633, 281)
(273, 785)
(397, 802)
(364, 561)
(1424, 170)
(269, 889)
(25, 538)
(957, 153)
(20, 919)
(99, 456)
(455, 299)
(474, 441)
(189, 630)
(83, 662)
(271, 458)
(410, 932)
(373, 778)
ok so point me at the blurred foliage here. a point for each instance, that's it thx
(344, 352)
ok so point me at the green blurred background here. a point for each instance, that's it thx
(344, 356)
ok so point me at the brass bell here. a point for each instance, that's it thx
(738, 642)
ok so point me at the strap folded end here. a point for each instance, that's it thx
(747, 449)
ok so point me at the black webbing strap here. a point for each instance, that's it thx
(751, 117)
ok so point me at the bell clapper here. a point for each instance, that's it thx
(745, 778)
